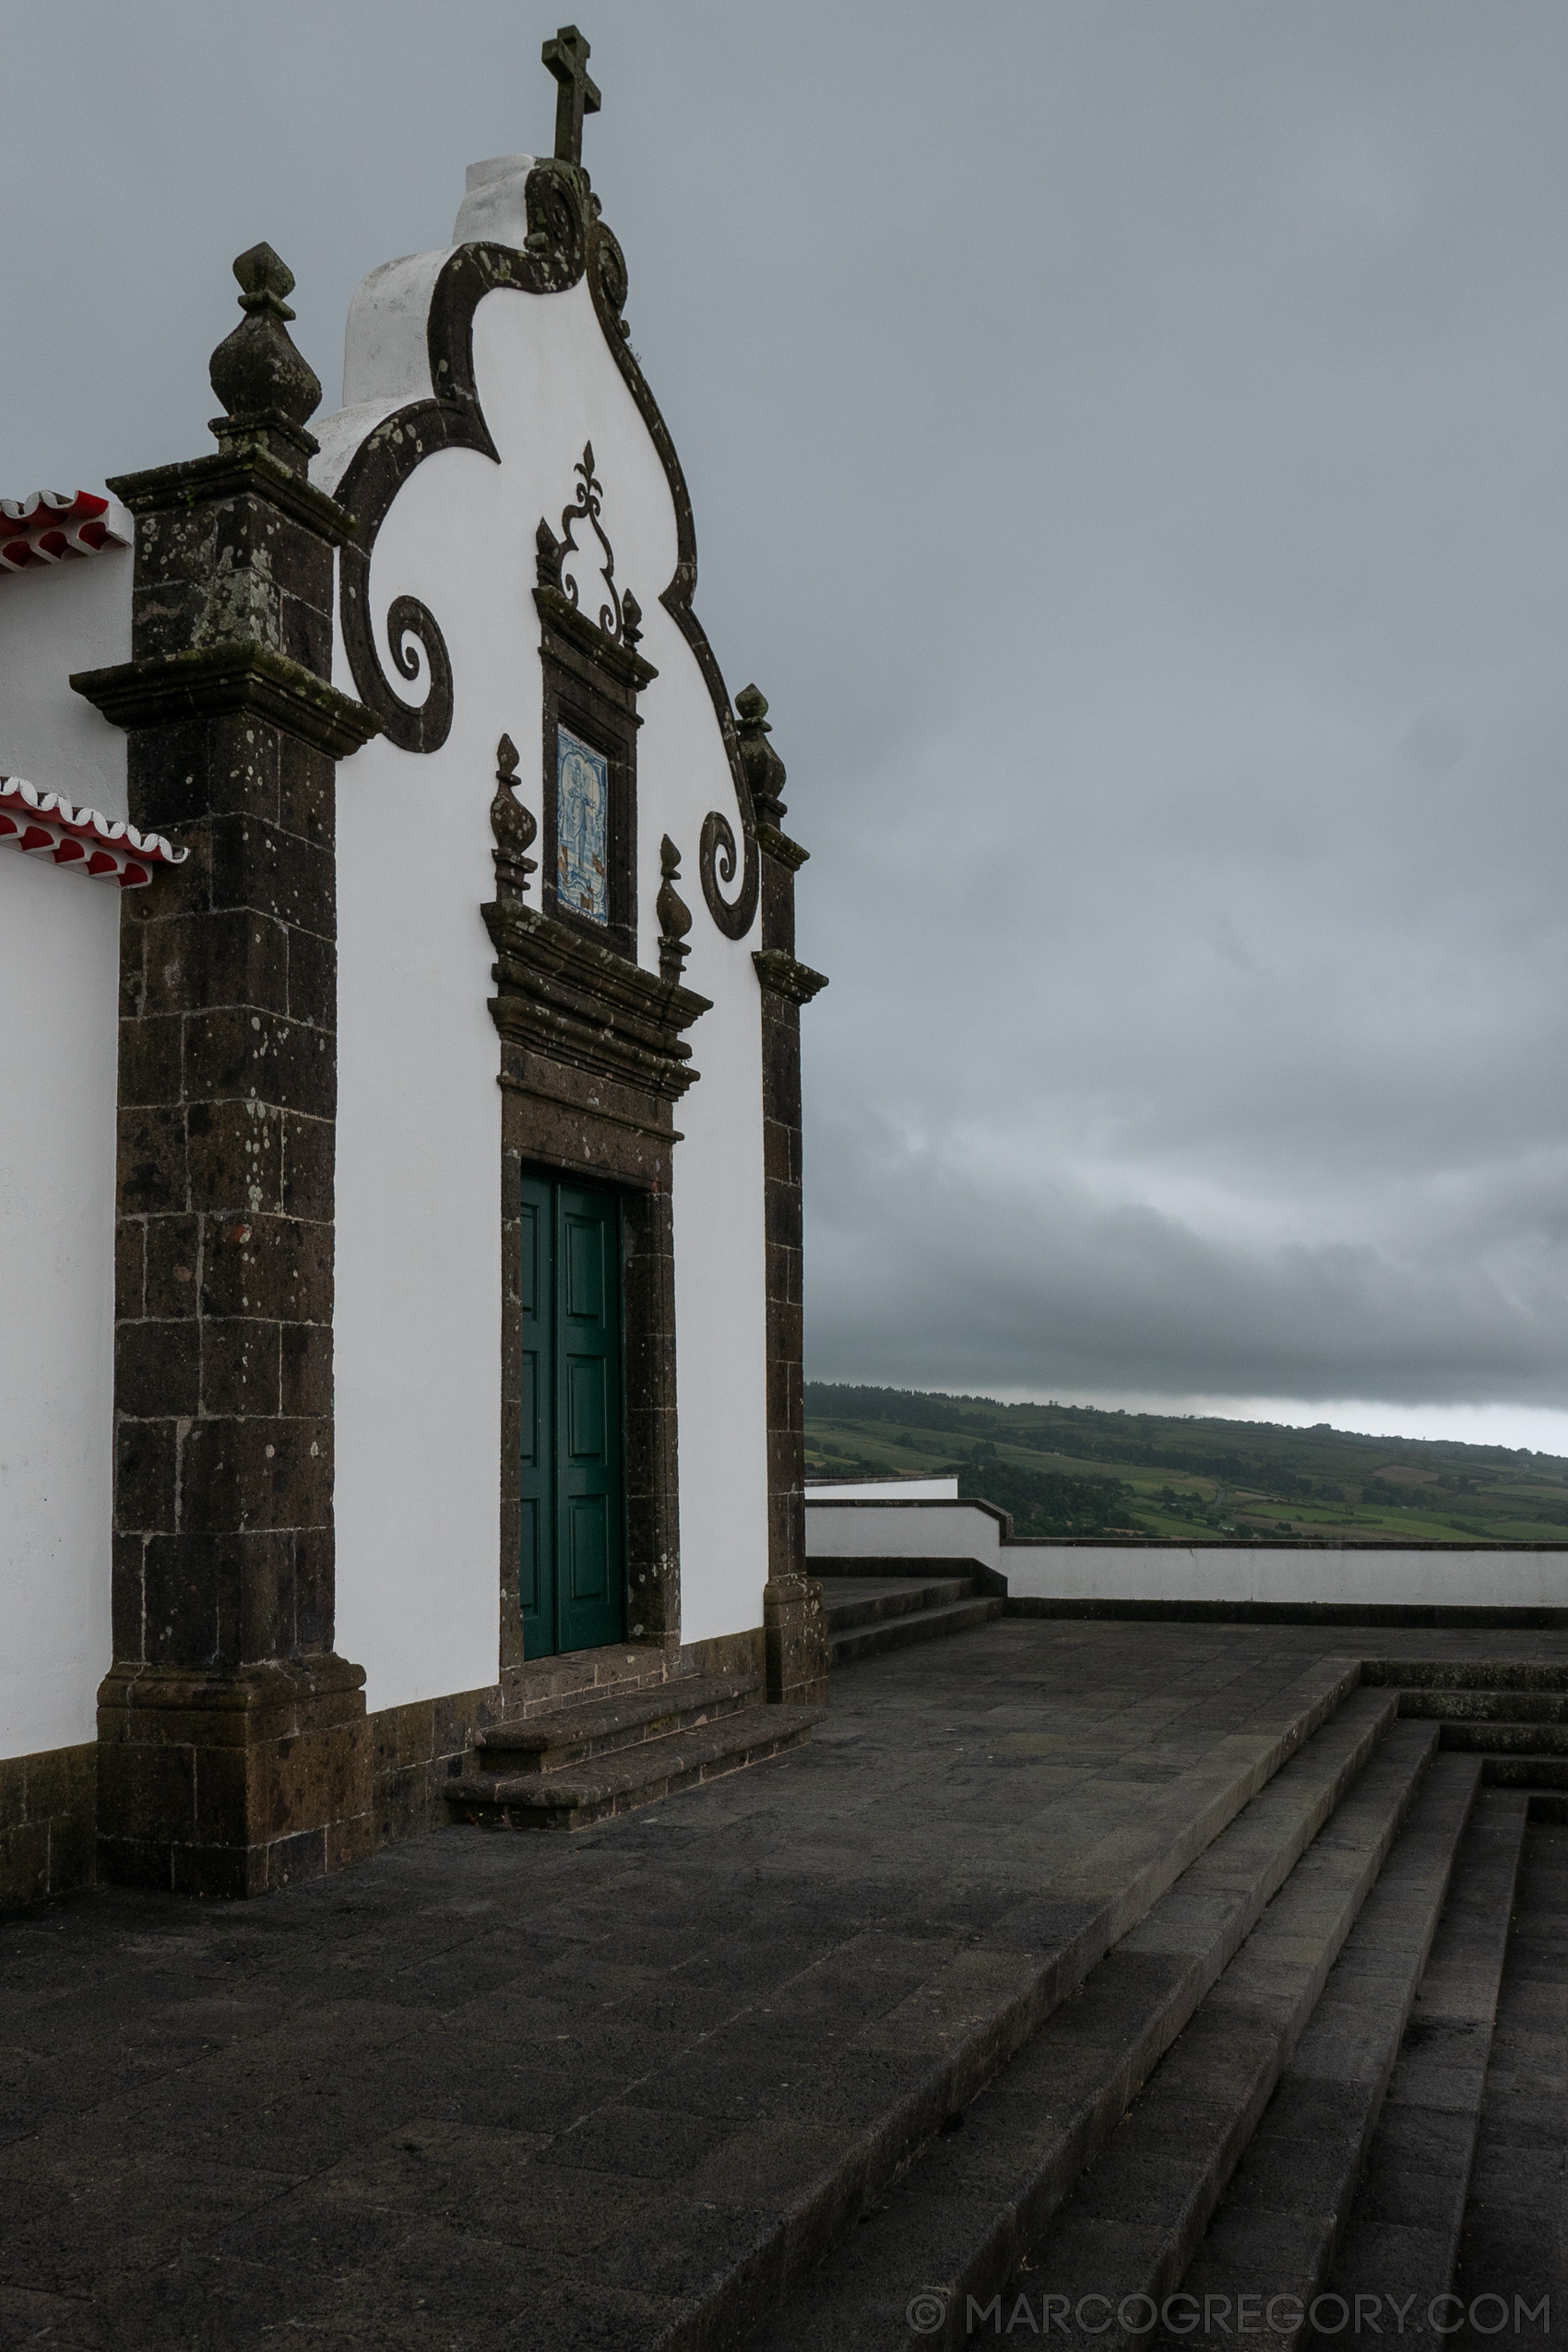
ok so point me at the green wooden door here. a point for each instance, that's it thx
(573, 1543)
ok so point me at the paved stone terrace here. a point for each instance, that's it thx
(497, 2090)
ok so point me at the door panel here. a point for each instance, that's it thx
(537, 1469)
(585, 1408)
(585, 1267)
(588, 1569)
(572, 1569)
(590, 1605)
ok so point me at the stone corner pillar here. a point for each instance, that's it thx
(234, 1750)
(795, 1642)
(786, 985)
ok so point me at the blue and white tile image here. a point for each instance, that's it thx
(582, 827)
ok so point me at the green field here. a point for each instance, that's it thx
(1070, 1470)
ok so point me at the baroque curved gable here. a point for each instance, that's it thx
(411, 390)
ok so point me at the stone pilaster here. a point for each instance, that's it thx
(234, 1749)
(785, 986)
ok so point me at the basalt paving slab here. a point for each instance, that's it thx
(492, 2089)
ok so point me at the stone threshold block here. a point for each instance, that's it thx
(239, 1780)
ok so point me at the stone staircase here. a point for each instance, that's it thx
(583, 1763)
(868, 1614)
(1274, 2060)
(1515, 1718)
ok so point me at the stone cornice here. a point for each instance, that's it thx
(619, 661)
(778, 846)
(783, 976)
(246, 468)
(212, 681)
(564, 995)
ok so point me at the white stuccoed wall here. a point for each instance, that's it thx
(59, 985)
(75, 615)
(418, 1318)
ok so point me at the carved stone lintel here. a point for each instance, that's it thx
(616, 661)
(783, 976)
(566, 996)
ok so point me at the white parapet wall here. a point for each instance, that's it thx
(1270, 1575)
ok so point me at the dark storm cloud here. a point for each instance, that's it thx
(1128, 445)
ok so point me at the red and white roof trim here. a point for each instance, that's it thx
(44, 825)
(55, 524)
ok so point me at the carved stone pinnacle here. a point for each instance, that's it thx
(674, 915)
(764, 770)
(265, 383)
(514, 827)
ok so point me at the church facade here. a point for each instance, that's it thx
(400, 1246)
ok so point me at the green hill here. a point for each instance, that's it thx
(1069, 1469)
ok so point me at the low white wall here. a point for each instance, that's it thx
(1373, 1575)
(882, 1491)
(910, 1528)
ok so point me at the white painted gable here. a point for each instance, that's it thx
(419, 1290)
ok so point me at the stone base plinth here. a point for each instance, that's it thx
(234, 1781)
(795, 1637)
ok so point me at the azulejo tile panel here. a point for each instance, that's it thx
(582, 827)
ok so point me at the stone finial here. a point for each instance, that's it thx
(548, 552)
(674, 915)
(764, 770)
(265, 383)
(514, 827)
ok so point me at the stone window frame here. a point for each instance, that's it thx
(590, 688)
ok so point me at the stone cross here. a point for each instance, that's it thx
(567, 57)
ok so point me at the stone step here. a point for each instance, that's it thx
(1485, 1706)
(916, 1625)
(1506, 1739)
(966, 2211)
(1524, 1771)
(1513, 2242)
(577, 1794)
(789, 2187)
(1402, 2237)
(1411, 1952)
(1464, 1674)
(1137, 2218)
(867, 1600)
(602, 1727)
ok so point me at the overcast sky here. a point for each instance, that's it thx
(1129, 446)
